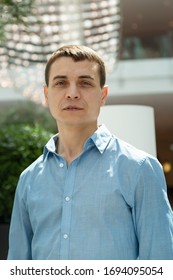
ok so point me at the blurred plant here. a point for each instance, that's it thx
(25, 129)
(28, 113)
(14, 12)
(20, 145)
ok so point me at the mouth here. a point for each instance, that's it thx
(72, 108)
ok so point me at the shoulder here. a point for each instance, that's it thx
(138, 171)
(35, 167)
(133, 161)
(120, 148)
(129, 152)
(32, 170)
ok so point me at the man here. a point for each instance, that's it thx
(90, 195)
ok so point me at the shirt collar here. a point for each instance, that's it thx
(101, 138)
(50, 147)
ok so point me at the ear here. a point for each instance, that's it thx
(45, 94)
(104, 95)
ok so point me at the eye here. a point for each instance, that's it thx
(60, 83)
(86, 83)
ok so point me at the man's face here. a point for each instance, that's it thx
(74, 94)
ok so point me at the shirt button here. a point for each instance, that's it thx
(61, 164)
(67, 198)
(65, 236)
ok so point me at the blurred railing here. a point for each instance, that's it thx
(145, 47)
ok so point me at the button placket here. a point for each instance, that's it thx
(66, 210)
(65, 236)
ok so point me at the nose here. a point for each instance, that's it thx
(72, 92)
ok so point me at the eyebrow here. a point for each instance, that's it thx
(80, 77)
(59, 77)
(86, 77)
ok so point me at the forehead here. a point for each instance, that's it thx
(66, 66)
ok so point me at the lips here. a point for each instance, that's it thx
(72, 108)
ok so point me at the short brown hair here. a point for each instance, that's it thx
(77, 53)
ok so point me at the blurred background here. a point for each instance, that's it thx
(134, 37)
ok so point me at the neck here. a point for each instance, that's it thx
(72, 139)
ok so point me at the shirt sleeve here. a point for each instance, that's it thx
(20, 235)
(152, 213)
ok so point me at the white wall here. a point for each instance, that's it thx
(147, 76)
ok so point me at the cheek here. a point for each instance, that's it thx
(53, 99)
(51, 103)
(95, 105)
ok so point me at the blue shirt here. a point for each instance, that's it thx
(109, 203)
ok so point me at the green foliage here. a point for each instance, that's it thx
(25, 129)
(27, 113)
(14, 12)
(20, 145)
